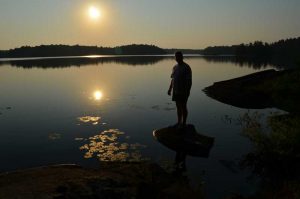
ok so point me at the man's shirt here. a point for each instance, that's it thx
(182, 79)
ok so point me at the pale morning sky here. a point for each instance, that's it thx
(166, 23)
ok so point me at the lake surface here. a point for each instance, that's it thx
(69, 110)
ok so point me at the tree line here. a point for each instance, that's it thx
(288, 48)
(281, 48)
(77, 50)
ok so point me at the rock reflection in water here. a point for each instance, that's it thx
(107, 147)
(184, 142)
(89, 119)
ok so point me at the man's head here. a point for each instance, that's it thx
(179, 57)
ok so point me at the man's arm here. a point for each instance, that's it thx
(170, 88)
(189, 79)
(189, 84)
(172, 82)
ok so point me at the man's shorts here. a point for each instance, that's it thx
(180, 98)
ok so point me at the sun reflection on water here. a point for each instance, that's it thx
(98, 95)
(106, 146)
(89, 119)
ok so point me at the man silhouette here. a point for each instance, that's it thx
(180, 87)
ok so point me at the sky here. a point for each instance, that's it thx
(192, 24)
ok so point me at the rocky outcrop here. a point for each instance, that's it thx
(111, 180)
(265, 89)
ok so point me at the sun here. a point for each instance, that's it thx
(98, 95)
(94, 12)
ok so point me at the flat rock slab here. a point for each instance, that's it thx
(265, 89)
(185, 140)
(111, 180)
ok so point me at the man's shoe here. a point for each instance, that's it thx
(175, 125)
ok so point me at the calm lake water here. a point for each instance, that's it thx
(51, 111)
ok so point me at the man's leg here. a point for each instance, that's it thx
(179, 112)
(184, 112)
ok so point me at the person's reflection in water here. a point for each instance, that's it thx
(179, 163)
(189, 143)
(180, 88)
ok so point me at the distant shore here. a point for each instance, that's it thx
(76, 50)
(256, 50)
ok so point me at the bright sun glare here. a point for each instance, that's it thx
(94, 12)
(98, 95)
